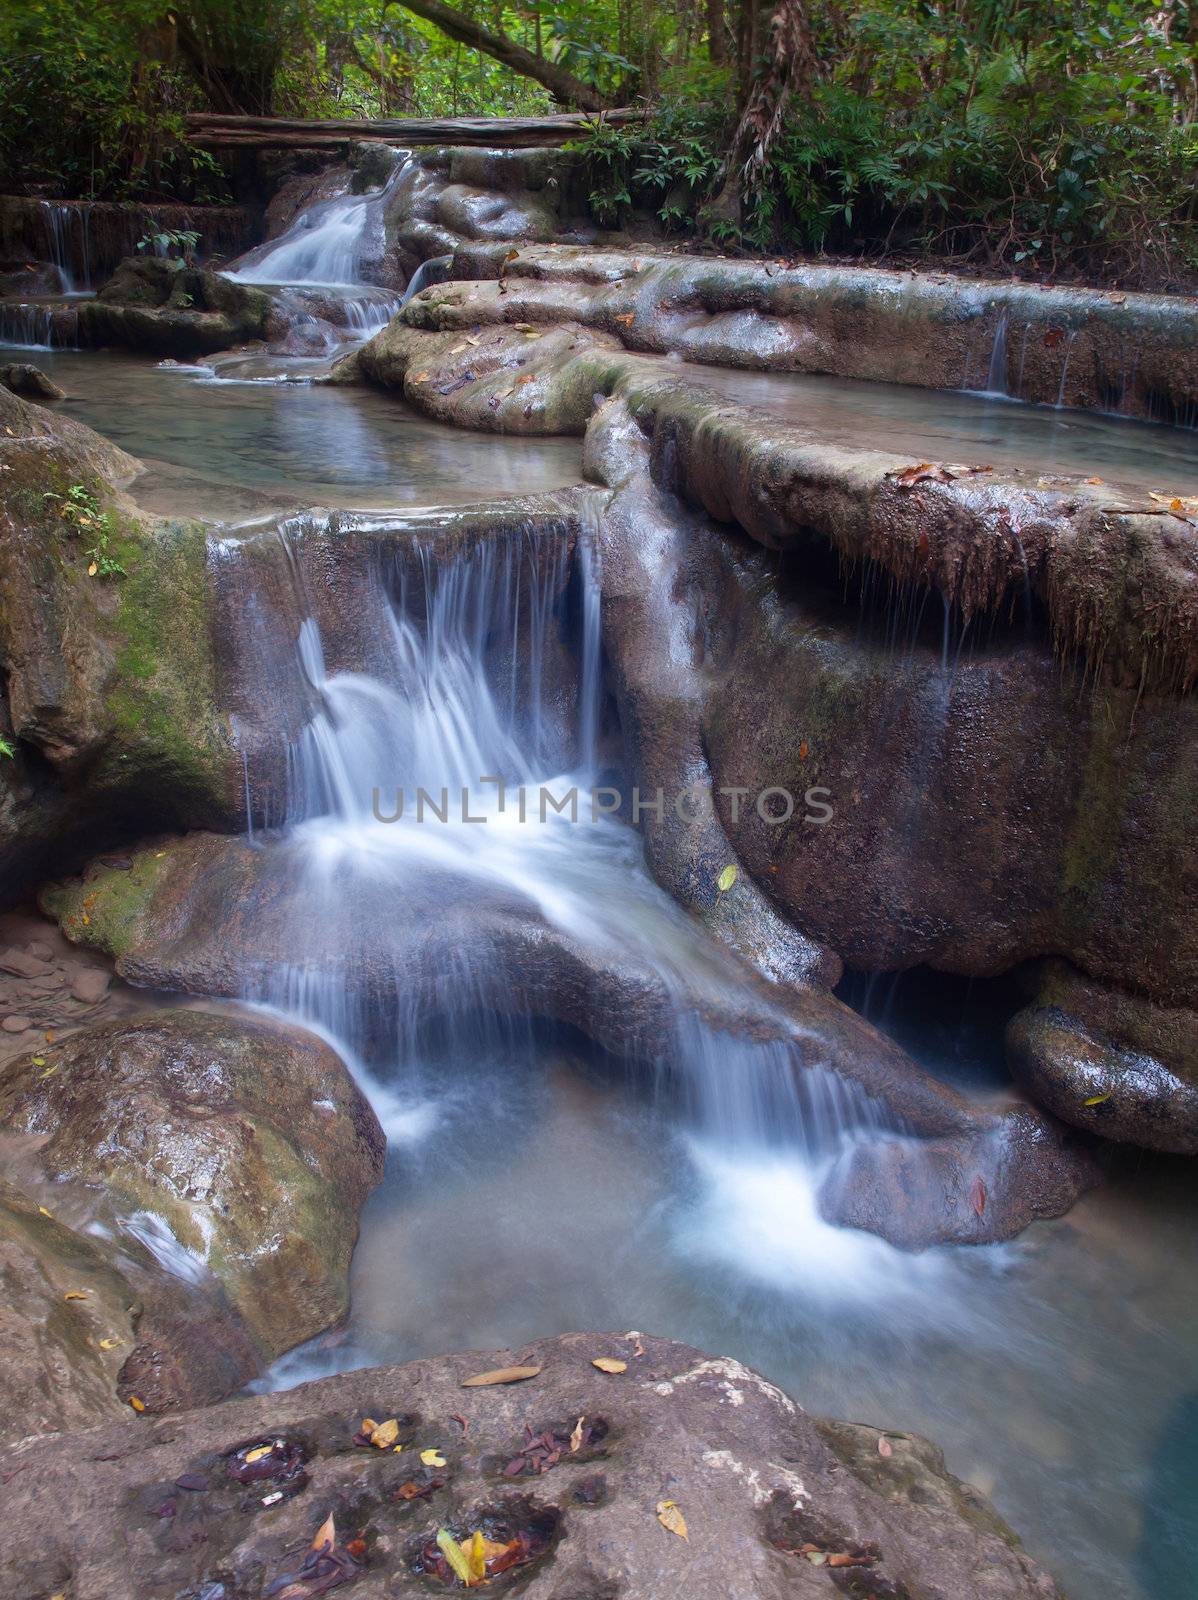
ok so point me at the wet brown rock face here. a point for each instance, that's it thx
(173, 1508)
(109, 680)
(1114, 1064)
(244, 1143)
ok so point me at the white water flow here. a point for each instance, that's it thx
(486, 668)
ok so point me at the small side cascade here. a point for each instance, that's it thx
(996, 376)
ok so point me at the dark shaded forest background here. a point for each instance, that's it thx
(1040, 137)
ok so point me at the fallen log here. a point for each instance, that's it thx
(211, 130)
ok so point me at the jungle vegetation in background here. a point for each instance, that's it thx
(1041, 136)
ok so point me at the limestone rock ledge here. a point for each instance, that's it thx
(769, 1495)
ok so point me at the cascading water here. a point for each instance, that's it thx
(394, 810)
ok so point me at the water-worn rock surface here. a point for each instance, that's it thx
(210, 915)
(1132, 353)
(244, 1142)
(1115, 1064)
(109, 680)
(167, 308)
(176, 1507)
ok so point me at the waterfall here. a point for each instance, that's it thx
(325, 244)
(413, 816)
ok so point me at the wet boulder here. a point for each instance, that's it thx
(22, 377)
(165, 307)
(92, 1321)
(1115, 1064)
(108, 667)
(245, 1143)
(678, 1473)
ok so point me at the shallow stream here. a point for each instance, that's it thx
(1058, 1372)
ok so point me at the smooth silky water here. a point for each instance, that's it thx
(534, 1187)
(532, 1190)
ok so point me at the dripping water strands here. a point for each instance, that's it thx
(468, 668)
(996, 376)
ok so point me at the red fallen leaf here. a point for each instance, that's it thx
(191, 1480)
(921, 472)
(418, 1491)
(843, 1559)
(356, 1548)
(923, 546)
(1053, 338)
(804, 750)
(977, 1195)
(885, 1448)
(455, 1416)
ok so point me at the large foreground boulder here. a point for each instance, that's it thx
(678, 1474)
(241, 1147)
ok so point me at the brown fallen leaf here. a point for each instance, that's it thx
(576, 1437)
(484, 1380)
(326, 1534)
(885, 1448)
(804, 750)
(462, 1422)
(609, 1364)
(76, 1294)
(1053, 338)
(977, 1195)
(842, 1558)
(625, 320)
(420, 377)
(138, 1405)
(670, 1517)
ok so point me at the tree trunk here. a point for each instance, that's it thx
(562, 85)
(716, 46)
(778, 60)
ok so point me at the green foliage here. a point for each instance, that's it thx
(1045, 135)
(184, 240)
(1021, 133)
(80, 509)
(7, 750)
(86, 109)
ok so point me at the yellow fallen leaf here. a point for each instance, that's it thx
(49, 1072)
(609, 1364)
(457, 349)
(75, 1294)
(138, 1405)
(257, 1454)
(1097, 1099)
(576, 1437)
(484, 1380)
(86, 919)
(368, 1426)
(44, 1212)
(670, 1517)
(385, 1434)
(158, 855)
(470, 339)
(109, 1344)
(476, 1558)
(454, 1554)
(726, 878)
(326, 1534)
(92, 570)
(420, 377)
(39, 1061)
(432, 1458)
